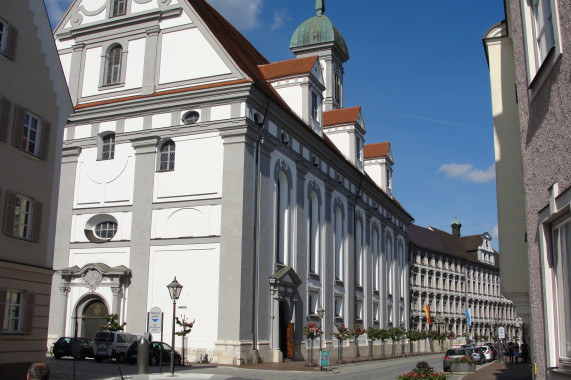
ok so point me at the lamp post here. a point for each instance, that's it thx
(320, 312)
(175, 289)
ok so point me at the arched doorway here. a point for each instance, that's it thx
(286, 332)
(94, 314)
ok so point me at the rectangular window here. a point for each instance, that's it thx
(22, 216)
(119, 8)
(314, 106)
(3, 30)
(13, 311)
(4, 118)
(312, 303)
(30, 133)
(338, 307)
(359, 310)
(8, 37)
(561, 242)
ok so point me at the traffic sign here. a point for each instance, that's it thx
(501, 333)
(324, 358)
(155, 321)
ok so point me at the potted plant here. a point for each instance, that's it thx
(311, 331)
(422, 371)
(463, 364)
(341, 335)
(356, 332)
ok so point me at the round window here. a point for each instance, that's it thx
(105, 230)
(190, 117)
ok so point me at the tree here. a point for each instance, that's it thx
(383, 336)
(112, 323)
(373, 333)
(395, 334)
(186, 328)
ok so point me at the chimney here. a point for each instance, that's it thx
(456, 225)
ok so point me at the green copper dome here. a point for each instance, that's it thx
(317, 30)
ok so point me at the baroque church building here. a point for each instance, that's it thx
(190, 155)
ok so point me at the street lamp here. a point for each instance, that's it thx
(320, 312)
(174, 290)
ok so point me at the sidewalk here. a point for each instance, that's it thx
(502, 371)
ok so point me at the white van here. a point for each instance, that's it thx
(112, 345)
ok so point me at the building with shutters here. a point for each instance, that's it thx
(34, 107)
(191, 155)
(529, 62)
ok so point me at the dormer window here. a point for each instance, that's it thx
(118, 8)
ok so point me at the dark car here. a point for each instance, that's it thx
(154, 353)
(80, 348)
(451, 354)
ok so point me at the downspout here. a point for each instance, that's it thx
(256, 247)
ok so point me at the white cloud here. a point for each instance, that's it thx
(243, 14)
(495, 232)
(56, 9)
(280, 17)
(468, 173)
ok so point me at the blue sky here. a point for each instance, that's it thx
(418, 70)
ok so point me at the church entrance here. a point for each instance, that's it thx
(94, 315)
(286, 332)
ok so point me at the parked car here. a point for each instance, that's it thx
(112, 345)
(451, 354)
(488, 354)
(154, 353)
(477, 354)
(80, 348)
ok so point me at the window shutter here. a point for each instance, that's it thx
(4, 118)
(29, 313)
(37, 221)
(2, 308)
(12, 39)
(45, 139)
(9, 210)
(18, 130)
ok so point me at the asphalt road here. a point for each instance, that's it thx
(380, 369)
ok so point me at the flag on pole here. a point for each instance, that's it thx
(427, 311)
(468, 318)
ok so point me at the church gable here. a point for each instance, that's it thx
(131, 47)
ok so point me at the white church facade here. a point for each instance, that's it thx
(190, 155)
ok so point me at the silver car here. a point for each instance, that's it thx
(477, 354)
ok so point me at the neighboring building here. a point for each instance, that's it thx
(529, 62)
(451, 274)
(34, 107)
(191, 155)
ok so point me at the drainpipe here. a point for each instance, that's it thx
(256, 247)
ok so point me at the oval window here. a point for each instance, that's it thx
(105, 230)
(190, 117)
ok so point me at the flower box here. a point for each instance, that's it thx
(463, 367)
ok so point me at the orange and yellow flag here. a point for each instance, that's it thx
(427, 311)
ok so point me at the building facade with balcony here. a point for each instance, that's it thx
(451, 274)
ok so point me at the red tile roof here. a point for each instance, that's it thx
(341, 116)
(294, 66)
(377, 150)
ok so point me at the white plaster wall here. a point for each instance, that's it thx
(135, 63)
(108, 126)
(180, 63)
(341, 141)
(133, 124)
(186, 222)
(82, 131)
(105, 182)
(222, 112)
(64, 44)
(162, 120)
(65, 60)
(196, 268)
(293, 96)
(376, 171)
(198, 170)
(177, 21)
(137, 7)
(79, 222)
(112, 256)
(92, 69)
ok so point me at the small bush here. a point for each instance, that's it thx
(423, 371)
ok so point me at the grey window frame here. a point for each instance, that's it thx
(104, 154)
(8, 40)
(26, 312)
(13, 222)
(105, 232)
(168, 158)
(114, 8)
(21, 131)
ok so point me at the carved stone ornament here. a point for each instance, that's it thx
(64, 290)
(92, 278)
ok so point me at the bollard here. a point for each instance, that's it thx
(143, 356)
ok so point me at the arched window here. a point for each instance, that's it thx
(390, 265)
(313, 233)
(338, 86)
(166, 156)
(358, 253)
(282, 217)
(338, 243)
(113, 65)
(402, 269)
(375, 252)
(107, 147)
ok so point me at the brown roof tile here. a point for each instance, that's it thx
(377, 150)
(341, 116)
(290, 67)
